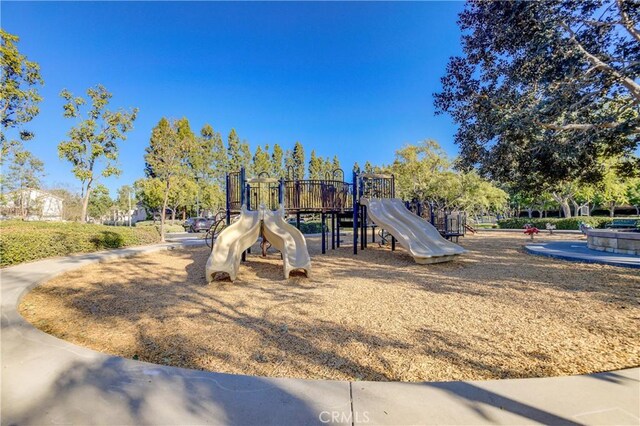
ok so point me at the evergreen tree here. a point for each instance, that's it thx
(261, 161)
(220, 161)
(336, 163)
(315, 166)
(234, 157)
(289, 165)
(276, 161)
(245, 158)
(298, 161)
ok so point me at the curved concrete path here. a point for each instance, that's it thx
(577, 251)
(46, 380)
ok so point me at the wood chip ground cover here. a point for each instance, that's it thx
(494, 313)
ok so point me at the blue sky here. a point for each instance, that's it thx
(352, 79)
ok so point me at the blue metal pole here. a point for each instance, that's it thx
(355, 212)
(242, 188)
(228, 204)
(281, 192)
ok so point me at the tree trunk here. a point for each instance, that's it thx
(85, 202)
(164, 209)
(563, 201)
(637, 210)
(530, 212)
(576, 208)
(612, 209)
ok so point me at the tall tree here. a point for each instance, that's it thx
(124, 197)
(544, 90)
(298, 161)
(612, 189)
(289, 171)
(95, 138)
(335, 164)
(315, 166)
(233, 151)
(246, 157)
(261, 161)
(220, 162)
(167, 157)
(19, 97)
(277, 157)
(633, 194)
(25, 171)
(149, 192)
(99, 202)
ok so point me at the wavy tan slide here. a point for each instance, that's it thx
(418, 236)
(231, 243)
(288, 240)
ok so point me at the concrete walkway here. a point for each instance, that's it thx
(577, 251)
(46, 380)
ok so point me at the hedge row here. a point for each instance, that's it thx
(27, 241)
(561, 223)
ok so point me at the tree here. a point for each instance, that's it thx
(94, 139)
(167, 157)
(184, 193)
(315, 166)
(246, 157)
(277, 157)
(99, 202)
(261, 161)
(233, 151)
(150, 193)
(25, 171)
(71, 203)
(298, 161)
(545, 90)
(123, 202)
(633, 194)
(19, 97)
(289, 168)
(611, 191)
(335, 165)
(418, 168)
(220, 163)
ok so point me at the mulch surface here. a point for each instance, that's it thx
(495, 312)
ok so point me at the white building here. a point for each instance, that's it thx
(33, 204)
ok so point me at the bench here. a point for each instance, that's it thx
(623, 223)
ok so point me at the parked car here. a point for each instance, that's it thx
(197, 224)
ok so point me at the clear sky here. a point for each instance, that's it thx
(352, 79)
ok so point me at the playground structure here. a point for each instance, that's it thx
(375, 202)
(262, 205)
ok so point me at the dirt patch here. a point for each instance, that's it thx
(494, 313)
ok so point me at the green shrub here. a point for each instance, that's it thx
(27, 241)
(572, 223)
(310, 227)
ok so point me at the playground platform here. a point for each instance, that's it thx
(577, 251)
(46, 380)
